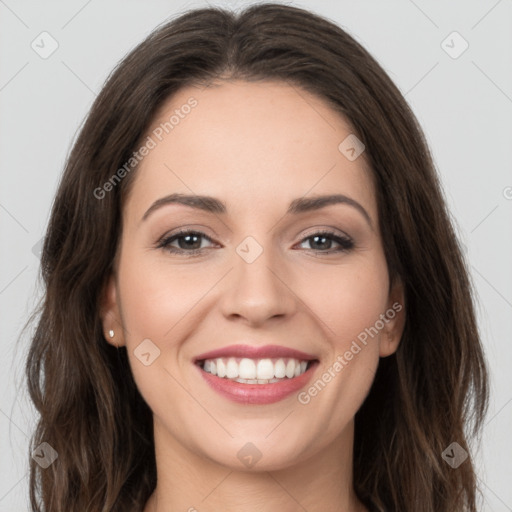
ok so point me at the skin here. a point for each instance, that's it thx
(256, 147)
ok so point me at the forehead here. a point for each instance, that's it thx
(255, 145)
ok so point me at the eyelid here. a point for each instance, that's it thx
(195, 228)
(321, 229)
(166, 238)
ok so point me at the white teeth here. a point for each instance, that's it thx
(280, 369)
(257, 381)
(255, 371)
(265, 369)
(247, 369)
(232, 369)
(221, 368)
(290, 369)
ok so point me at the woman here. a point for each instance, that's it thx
(255, 299)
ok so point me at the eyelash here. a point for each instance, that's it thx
(345, 242)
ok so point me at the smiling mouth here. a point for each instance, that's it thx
(256, 371)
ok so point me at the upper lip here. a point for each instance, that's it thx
(253, 352)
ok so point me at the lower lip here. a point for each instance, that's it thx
(257, 393)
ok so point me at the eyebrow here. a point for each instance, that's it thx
(297, 206)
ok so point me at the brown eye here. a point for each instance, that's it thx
(187, 242)
(323, 241)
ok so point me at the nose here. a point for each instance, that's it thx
(258, 292)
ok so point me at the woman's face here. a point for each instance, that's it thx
(259, 271)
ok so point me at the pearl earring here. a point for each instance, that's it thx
(111, 333)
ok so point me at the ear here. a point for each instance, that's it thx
(394, 320)
(110, 315)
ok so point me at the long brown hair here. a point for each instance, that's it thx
(433, 391)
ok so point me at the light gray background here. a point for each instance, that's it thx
(463, 104)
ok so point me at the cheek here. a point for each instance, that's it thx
(347, 299)
(155, 297)
(349, 312)
(163, 304)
